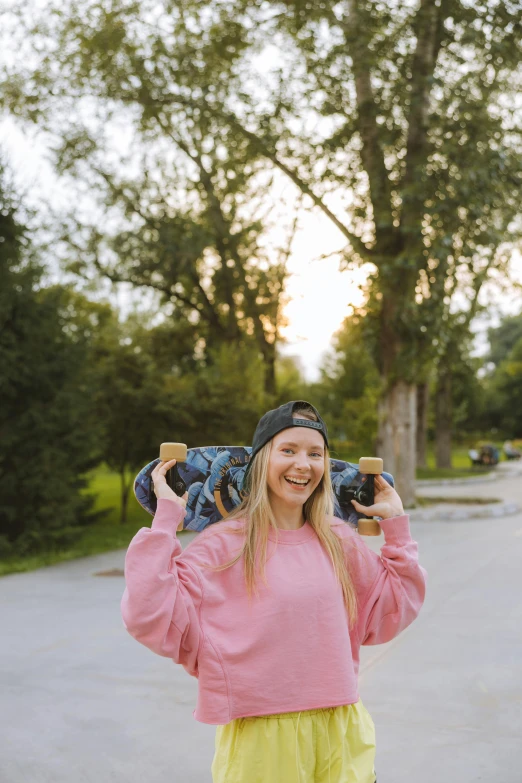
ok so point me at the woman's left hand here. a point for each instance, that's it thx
(387, 502)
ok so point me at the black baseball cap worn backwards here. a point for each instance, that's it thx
(281, 419)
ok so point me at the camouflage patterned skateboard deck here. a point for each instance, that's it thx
(213, 477)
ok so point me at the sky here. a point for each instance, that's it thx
(320, 295)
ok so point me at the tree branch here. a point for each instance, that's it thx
(115, 277)
(429, 28)
(356, 242)
(223, 238)
(207, 310)
(372, 153)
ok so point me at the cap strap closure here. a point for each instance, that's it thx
(316, 425)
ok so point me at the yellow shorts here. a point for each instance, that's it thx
(331, 745)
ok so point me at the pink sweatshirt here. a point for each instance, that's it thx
(291, 649)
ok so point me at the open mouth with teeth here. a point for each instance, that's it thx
(297, 482)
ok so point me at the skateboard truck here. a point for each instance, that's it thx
(177, 451)
(370, 467)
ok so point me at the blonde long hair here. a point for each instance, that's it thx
(256, 512)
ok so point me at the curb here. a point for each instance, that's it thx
(454, 482)
(437, 513)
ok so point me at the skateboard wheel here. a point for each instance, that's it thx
(368, 527)
(371, 465)
(177, 451)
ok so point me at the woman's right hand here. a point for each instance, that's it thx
(161, 488)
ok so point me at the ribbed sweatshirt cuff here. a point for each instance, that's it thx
(168, 515)
(396, 529)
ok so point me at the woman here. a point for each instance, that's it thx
(268, 609)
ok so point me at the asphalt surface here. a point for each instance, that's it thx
(82, 702)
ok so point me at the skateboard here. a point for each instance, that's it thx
(213, 476)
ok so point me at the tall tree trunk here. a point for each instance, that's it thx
(396, 437)
(423, 393)
(444, 417)
(124, 497)
(269, 356)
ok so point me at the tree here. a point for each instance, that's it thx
(349, 386)
(189, 224)
(127, 395)
(290, 380)
(501, 377)
(151, 386)
(456, 392)
(48, 432)
(227, 398)
(503, 338)
(504, 388)
(455, 338)
(396, 120)
(415, 122)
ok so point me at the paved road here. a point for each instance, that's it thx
(82, 702)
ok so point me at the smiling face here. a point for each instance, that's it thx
(296, 466)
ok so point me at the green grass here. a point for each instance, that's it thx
(462, 467)
(103, 536)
